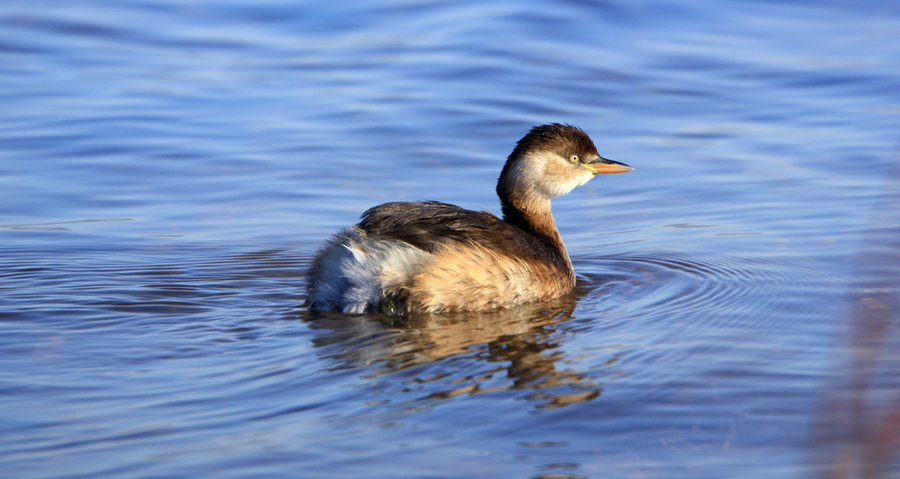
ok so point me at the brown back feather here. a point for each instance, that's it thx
(429, 224)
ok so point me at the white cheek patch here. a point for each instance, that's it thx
(586, 176)
(547, 175)
(572, 183)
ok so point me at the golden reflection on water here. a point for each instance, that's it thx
(858, 429)
(519, 349)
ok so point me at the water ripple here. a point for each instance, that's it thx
(715, 291)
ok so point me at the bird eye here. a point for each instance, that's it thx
(574, 159)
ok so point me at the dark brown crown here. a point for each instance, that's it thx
(562, 139)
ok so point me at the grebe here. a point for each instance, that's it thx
(432, 257)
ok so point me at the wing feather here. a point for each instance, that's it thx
(429, 224)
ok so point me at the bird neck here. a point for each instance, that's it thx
(533, 215)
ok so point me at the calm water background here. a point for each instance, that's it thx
(168, 168)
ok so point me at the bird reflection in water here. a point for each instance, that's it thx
(519, 349)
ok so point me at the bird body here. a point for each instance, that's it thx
(432, 257)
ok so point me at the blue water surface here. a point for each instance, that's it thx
(168, 169)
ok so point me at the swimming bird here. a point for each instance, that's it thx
(432, 257)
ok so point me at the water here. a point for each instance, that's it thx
(169, 168)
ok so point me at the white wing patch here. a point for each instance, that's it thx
(354, 271)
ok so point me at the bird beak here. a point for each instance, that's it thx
(602, 165)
